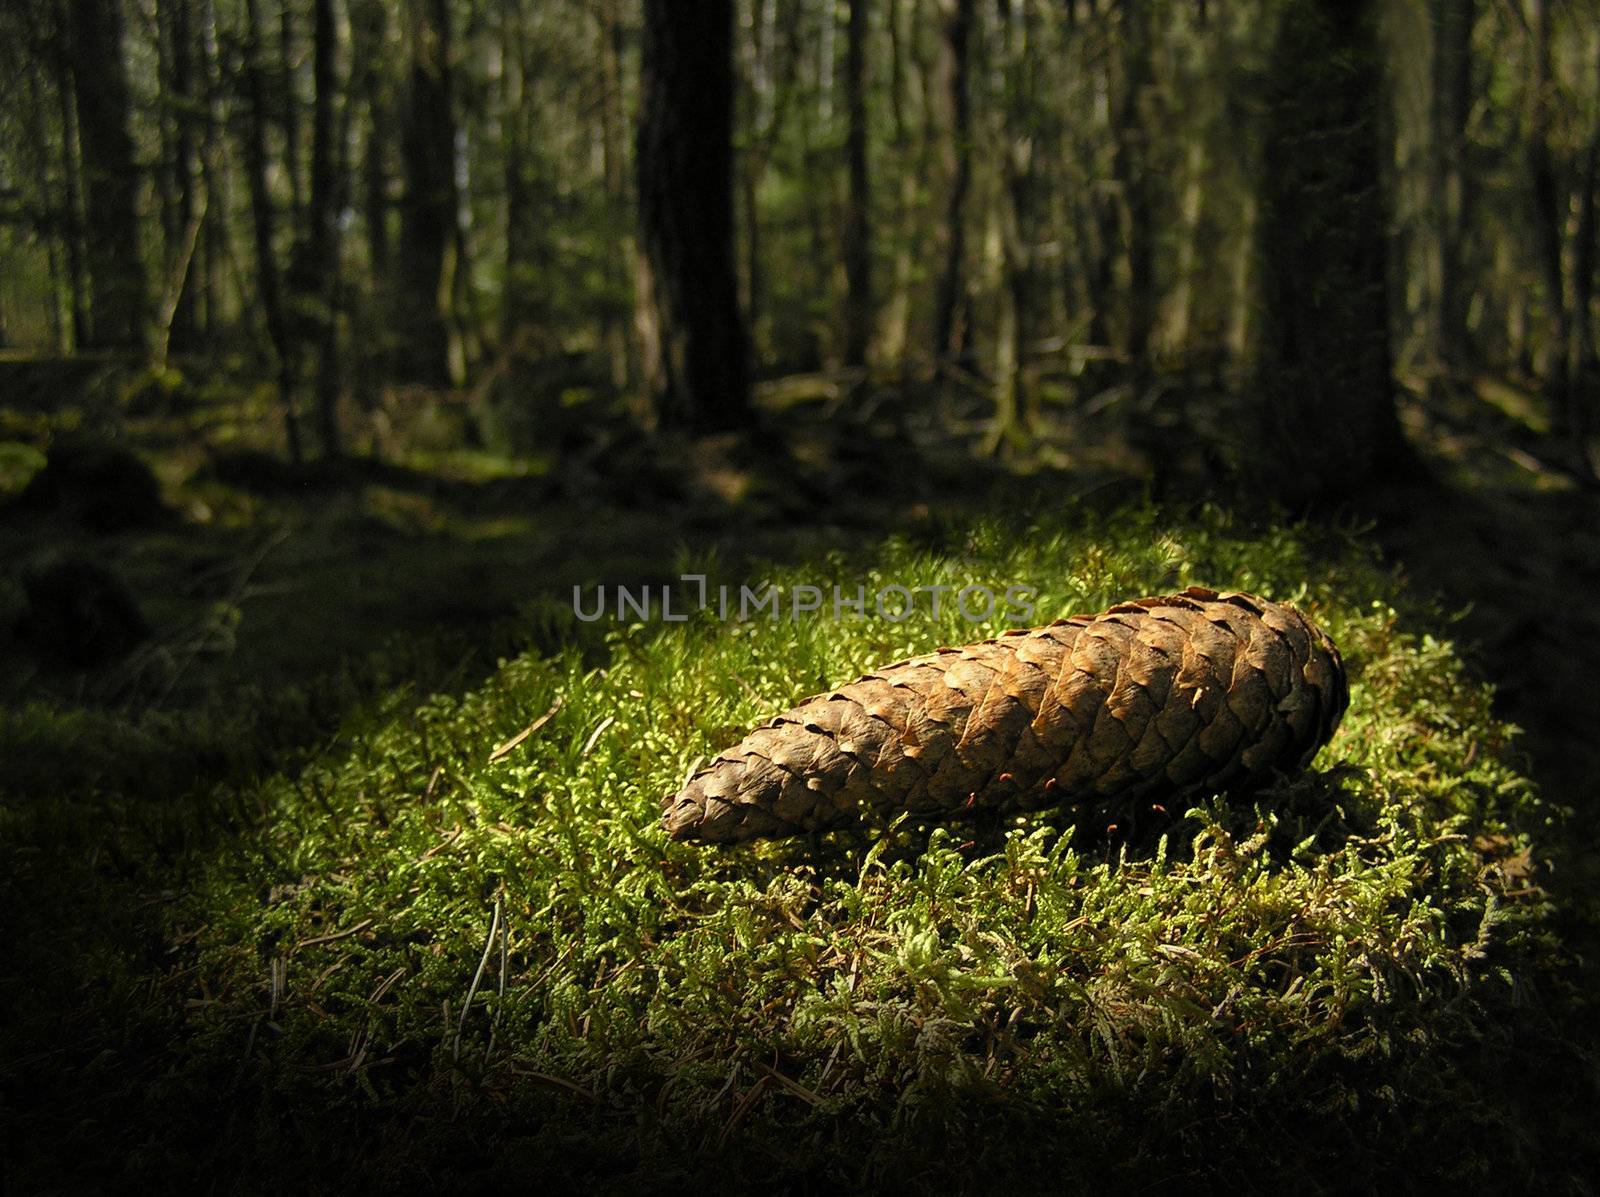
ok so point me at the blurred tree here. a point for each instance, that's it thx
(695, 346)
(99, 72)
(315, 275)
(179, 178)
(269, 283)
(430, 247)
(858, 313)
(1449, 177)
(1327, 424)
(949, 332)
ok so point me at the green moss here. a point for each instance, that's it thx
(1292, 975)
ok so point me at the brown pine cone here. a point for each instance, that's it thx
(1151, 700)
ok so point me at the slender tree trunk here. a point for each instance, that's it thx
(696, 352)
(72, 235)
(1547, 210)
(515, 299)
(1325, 392)
(1241, 284)
(185, 327)
(615, 331)
(268, 282)
(289, 113)
(1012, 218)
(58, 328)
(428, 218)
(119, 292)
(815, 136)
(949, 337)
(1583, 361)
(216, 234)
(762, 128)
(857, 214)
(896, 317)
(1449, 179)
(315, 274)
(1190, 211)
(369, 34)
(1131, 167)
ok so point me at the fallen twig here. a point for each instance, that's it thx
(477, 977)
(330, 938)
(597, 733)
(525, 732)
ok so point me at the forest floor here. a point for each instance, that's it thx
(255, 579)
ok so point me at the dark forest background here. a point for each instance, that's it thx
(1295, 210)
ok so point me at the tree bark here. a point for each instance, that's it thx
(183, 165)
(615, 324)
(948, 334)
(1449, 180)
(1547, 210)
(315, 274)
(369, 32)
(72, 230)
(428, 217)
(268, 282)
(289, 113)
(696, 347)
(1012, 219)
(1130, 165)
(1583, 360)
(1327, 420)
(118, 286)
(857, 235)
(896, 321)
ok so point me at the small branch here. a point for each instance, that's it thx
(522, 735)
(477, 977)
(337, 935)
(598, 732)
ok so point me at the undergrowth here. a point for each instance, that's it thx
(425, 957)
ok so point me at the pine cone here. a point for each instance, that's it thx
(1151, 700)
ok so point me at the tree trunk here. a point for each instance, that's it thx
(1449, 180)
(176, 22)
(1327, 421)
(315, 273)
(428, 218)
(615, 325)
(1190, 211)
(118, 287)
(761, 131)
(896, 322)
(268, 283)
(949, 337)
(289, 112)
(696, 350)
(858, 207)
(1013, 218)
(216, 245)
(369, 37)
(1583, 361)
(72, 234)
(1130, 166)
(1548, 217)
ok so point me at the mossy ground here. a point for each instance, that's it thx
(409, 959)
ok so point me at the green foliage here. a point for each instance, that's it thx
(863, 1009)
